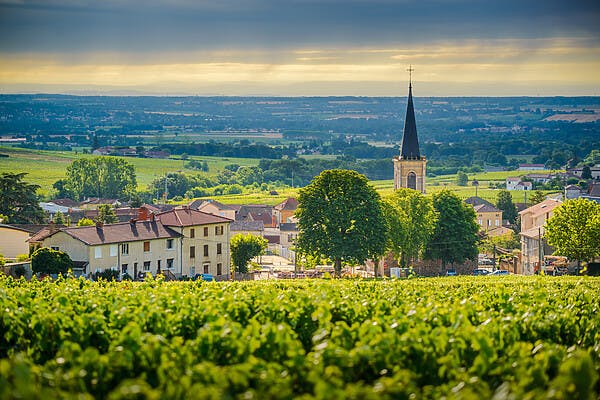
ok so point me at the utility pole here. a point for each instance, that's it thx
(494, 258)
(540, 250)
(166, 193)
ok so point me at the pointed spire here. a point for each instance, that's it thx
(410, 141)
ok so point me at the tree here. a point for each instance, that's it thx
(505, 203)
(18, 199)
(508, 241)
(411, 221)
(455, 236)
(537, 197)
(85, 222)
(462, 179)
(340, 217)
(107, 177)
(574, 229)
(244, 248)
(106, 214)
(47, 261)
(59, 218)
(586, 173)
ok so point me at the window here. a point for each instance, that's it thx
(205, 250)
(192, 251)
(206, 268)
(158, 264)
(411, 181)
(125, 249)
(146, 247)
(219, 230)
(54, 248)
(497, 223)
(192, 233)
(169, 244)
(219, 248)
(192, 270)
(480, 222)
(169, 263)
(124, 268)
(206, 231)
(489, 222)
(146, 265)
(97, 252)
(219, 269)
(113, 250)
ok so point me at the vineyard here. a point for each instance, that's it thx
(467, 337)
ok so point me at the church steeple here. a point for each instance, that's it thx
(410, 141)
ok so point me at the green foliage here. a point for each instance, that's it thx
(411, 221)
(462, 179)
(105, 177)
(18, 200)
(574, 229)
(2, 261)
(340, 217)
(107, 275)
(59, 218)
(244, 248)
(4, 219)
(106, 214)
(85, 222)
(47, 261)
(508, 241)
(505, 203)
(455, 237)
(22, 257)
(320, 339)
(586, 173)
(537, 197)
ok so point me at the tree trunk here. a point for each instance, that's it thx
(376, 266)
(338, 267)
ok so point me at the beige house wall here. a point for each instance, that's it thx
(214, 210)
(404, 167)
(196, 265)
(13, 242)
(489, 220)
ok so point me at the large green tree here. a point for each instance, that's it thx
(107, 177)
(340, 217)
(411, 221)
(48, 261)
(244, 248)
(505, 203)
(537, 197)
(18, 199)
(455, 236)
(574, 229)
(106, 214)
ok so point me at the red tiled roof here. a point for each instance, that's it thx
(189, 217)
(121, 232)
(288, 204)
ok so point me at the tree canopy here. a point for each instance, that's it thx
(48, 261)
(18, 199)
(106, 214)
(537, 197)
(244, 248)
(411, 221)
(340, 217)
(455, 236)
(106, 177)
(574, 229)
(505, 203)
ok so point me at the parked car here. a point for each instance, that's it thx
(480, 271)
(204, 277)
(486, 261)
(500, 272)
(451, 272)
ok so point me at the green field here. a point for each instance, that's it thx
(46, 167)
(456, 337)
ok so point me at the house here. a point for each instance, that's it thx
(216, 208)
(593, 193)
(595, 171)
(284, 211)
(515, 183)
(205, 240)
(573, 192)
(488, 216)
(540, 178)
(533, 244)
(13, 241)
(256, 228)
(288, 233)
(256, 212)
(531, 167)
(129, 247)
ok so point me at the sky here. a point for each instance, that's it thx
(301, 47)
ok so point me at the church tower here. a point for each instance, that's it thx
(409, 167)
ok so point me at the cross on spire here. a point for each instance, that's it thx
(410, 70)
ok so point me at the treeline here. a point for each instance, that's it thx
(243, 149)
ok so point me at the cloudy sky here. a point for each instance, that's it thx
(301, 47)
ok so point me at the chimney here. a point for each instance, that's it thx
(142, 213)
(132, 221)
(151, 216)
(52, 227)
(99, 224)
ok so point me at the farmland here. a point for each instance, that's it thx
(466, 337)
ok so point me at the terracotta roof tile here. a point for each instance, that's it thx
(189, 217)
